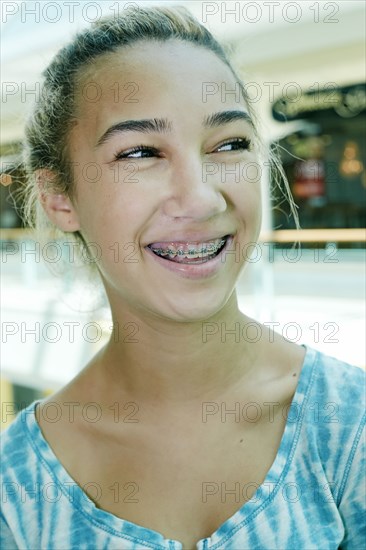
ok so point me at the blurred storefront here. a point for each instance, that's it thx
(325, 160)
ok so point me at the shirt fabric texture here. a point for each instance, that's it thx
(312, 498)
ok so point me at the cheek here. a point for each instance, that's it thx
(246, 193)
(106, 202)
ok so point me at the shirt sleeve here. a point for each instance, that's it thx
(352, 502)
(7, 541)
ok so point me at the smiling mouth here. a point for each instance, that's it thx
(191, 253)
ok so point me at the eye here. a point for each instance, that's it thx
(142, 151)
(237, 144)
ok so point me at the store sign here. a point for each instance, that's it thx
(347, 102)
(309, 179)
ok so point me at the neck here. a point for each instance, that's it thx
(156, 360)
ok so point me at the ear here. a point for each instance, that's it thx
(58, 207)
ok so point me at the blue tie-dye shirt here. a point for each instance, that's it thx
(313, 496)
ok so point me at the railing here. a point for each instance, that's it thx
(314, 235)
(278, 236)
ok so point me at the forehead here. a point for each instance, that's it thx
(149, 78)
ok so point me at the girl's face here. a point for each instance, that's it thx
(182, 174)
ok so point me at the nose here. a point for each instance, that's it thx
(193, 193)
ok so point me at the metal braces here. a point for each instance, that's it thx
(210, 249)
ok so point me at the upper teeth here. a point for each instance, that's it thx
(190, 249)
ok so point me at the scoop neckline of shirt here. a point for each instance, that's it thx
(137, 533)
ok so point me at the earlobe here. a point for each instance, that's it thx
(58, 207)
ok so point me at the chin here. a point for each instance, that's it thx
(198, 310)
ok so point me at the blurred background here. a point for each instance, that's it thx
(303, 65)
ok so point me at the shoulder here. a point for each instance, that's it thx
(335, 386)
(340, 382)
(19, 445)
(333, 412)
(334, 363)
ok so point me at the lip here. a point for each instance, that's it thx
(193, 271)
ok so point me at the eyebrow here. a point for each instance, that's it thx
(225, 117)
(163, 125)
